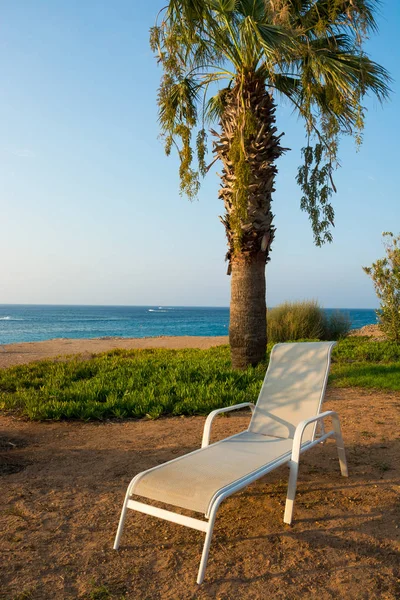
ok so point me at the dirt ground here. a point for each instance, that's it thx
(62, 487)
(372, 331)
(26, 352)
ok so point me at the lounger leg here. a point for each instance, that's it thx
(121, 522)
(206, 547)
(291, 493)
(123, 512)
(340, 446)
(322, 431)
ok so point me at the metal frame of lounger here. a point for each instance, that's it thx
(292, 457)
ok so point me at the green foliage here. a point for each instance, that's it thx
(304, 320)
(216, 105)
(201, 142)
(309, 52)
(153, 383)
(294, 321)
(363, 349)
(385, 273)
(336, 326)
(315, 183)
(360, 362)
(123, 384)
(365, 375)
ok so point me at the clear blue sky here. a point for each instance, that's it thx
(90, 209)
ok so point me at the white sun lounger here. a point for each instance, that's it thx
(283, 425)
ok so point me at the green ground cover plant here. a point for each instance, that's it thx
(154, 383)
(122, 384)
(379, 376)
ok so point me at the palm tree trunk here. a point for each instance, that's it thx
(248, 147)
(248, 311)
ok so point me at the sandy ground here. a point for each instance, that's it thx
(372, 331)
(62, 487)
(18, 354)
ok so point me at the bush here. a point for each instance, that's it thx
(335, 326)
(385, 273)
(305, 320)
(294, 321)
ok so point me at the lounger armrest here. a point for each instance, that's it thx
(298, 436)
(207, 425)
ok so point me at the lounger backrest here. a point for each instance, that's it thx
(293, 388)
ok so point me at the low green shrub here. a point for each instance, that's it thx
(335, 326)
(305, 320)
(385, 273)
(294, 321)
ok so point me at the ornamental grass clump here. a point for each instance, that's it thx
(292, 321)
(336, 325)
(385, 273)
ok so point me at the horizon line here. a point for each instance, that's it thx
(168, 305)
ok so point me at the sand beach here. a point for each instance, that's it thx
(26, 352)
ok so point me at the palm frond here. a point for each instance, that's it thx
(178, 103)
(337, 14)
(252, 8)
(215, 106)
(309, 51)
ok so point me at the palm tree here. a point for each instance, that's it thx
(229, 62)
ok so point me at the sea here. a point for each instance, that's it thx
(33, 323)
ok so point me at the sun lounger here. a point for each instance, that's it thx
(283, 425)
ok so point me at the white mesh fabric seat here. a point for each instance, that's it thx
(192, 480)
(283, 426)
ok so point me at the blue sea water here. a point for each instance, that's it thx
(31, 323)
